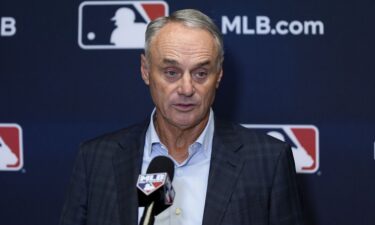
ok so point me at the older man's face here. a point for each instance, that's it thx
(182, 74)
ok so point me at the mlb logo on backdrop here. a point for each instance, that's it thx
(116, 24)
(304, 140)
(11, 148)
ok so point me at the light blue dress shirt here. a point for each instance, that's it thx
(190, 177)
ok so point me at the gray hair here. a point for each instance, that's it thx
(190, 18)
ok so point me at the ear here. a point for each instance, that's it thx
(145, 70)
(219, 78)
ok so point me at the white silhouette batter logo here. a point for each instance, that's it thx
(301, 156)
(127, 33)
(7, 157)
(116, 24)
(11, 152)
(304, 140)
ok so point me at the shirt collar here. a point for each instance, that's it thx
(204, 139)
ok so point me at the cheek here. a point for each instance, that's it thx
(208, 94)
(161, 94)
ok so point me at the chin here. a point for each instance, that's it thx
(186, 122)
(183, 124)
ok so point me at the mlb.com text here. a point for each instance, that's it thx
(262, 25)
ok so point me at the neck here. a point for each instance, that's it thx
(178, 139)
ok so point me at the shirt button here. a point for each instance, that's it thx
(178, 211)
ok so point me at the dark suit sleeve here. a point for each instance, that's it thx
(75, 208)
(285, 207)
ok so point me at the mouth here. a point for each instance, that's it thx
(184, 107)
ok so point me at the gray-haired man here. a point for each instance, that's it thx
(225, 174)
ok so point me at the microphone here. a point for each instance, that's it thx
(155, 190)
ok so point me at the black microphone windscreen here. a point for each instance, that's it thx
(162, 164)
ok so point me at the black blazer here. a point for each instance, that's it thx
(251, 181)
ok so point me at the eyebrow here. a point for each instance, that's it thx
(175, 63)
(204, 63)
(170, 61)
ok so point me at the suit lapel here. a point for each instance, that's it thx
(226, 165)
(225, 168)
(127, 166)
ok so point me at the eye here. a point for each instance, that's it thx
(171, 73)
(200, 75)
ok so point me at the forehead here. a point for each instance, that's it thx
(176, 40)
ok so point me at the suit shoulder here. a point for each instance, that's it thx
(253, 141)
(250, 134)
(247, 134)
(111, 140)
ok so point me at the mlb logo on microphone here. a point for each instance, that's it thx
(11, 148)
(304, 140)
(148, 183)
(116, 24)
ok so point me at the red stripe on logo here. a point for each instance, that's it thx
(307, 137)
(154, 11)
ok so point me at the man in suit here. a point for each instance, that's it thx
(225, 174)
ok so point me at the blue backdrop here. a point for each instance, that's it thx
(286, 62)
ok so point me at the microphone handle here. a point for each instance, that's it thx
(148, 217)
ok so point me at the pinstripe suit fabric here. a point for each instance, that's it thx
(252, 180)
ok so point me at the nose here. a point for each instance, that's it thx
(186, 85)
